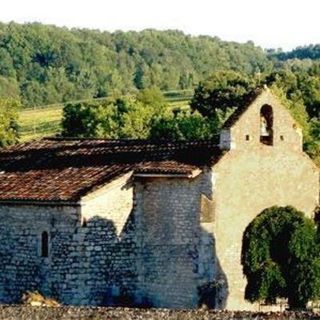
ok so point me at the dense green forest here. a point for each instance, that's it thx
(46, 64)
(43, 64)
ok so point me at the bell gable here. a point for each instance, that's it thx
(263, 122)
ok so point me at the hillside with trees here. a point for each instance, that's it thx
(44, 64)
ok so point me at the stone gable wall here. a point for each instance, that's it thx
(245, 133)
(251, 178)
(112, 202)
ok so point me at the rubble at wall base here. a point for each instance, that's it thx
(10, 312)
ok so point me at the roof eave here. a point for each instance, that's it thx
(188, 175)
(39, 202)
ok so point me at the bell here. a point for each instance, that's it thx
(263, 128)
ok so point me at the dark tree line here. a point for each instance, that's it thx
(303, 52)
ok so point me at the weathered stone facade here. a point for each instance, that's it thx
(164, 240)
(176, 251)
(89, 262)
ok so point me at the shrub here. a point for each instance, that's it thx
(280, 257)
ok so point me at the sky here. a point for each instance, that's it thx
(270, 24)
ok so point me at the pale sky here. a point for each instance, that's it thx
(270, 24)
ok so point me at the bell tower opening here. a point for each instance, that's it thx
(266, 125)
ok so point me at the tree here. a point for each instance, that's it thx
(312, 146)
(300, 85)
(9, 88)
(89, 120)
(136, 120)
(280, 257)
(112, 118)
(221, 94)
(182, 125)
(152, 97)
(9, 121)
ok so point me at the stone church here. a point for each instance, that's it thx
(108, 222)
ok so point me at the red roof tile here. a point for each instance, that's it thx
(56, 169)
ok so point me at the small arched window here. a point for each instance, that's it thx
(266, 125)
(44, 244)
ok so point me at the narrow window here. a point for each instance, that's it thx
(247, 137)
(266, 125)
(282, 138)
(44, 244)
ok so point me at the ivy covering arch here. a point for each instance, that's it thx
(280, 257)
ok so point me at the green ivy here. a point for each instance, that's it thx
(280, 257)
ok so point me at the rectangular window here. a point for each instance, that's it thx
(45, 244)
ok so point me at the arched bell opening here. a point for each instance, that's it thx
(266, 125)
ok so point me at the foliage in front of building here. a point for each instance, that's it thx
(281, 257)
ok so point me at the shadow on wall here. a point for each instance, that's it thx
(87, 265)
(115, 266)
(180, 267)
(222, 287)
(106, 273)
(214, 292)
(92, 265)
(19, 269)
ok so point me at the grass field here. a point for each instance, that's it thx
(40, 122)
(46, 121)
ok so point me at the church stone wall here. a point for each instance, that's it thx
(21, 266)
(112, 202)
(91, 260)
(152, 247)
(249, 180)
(176, 250)
(163, 242)
(104, 249)
(253, 176)
(245, 133)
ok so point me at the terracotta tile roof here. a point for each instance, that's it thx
(56, 169)
(248, 100)
(167, 167)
